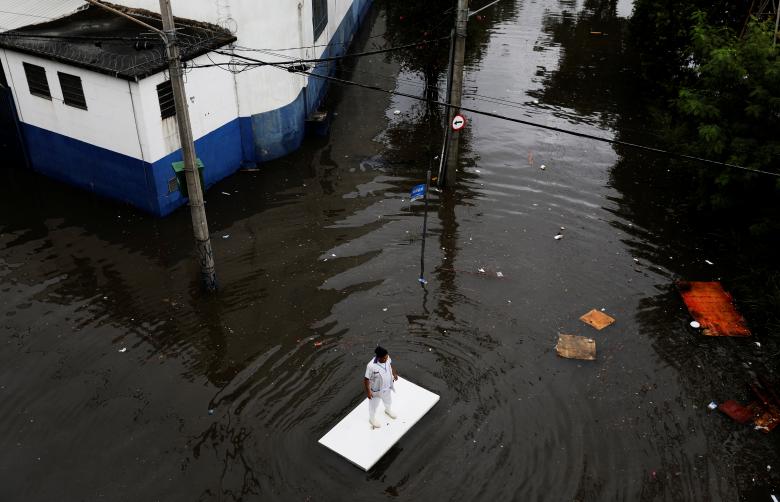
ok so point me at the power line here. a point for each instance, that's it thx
(24, 14)
(522, 121)
(354, 54)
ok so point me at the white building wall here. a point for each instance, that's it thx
(211, 99)
(108, 122)
(262, 24)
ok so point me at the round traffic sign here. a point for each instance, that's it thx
(458, 122)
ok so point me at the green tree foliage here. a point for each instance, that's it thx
(728, 108)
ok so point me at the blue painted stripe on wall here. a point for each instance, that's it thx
(221, 153)
(96, 169)
(127, 179)
(279, 132)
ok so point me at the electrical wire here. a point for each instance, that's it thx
(529, 123)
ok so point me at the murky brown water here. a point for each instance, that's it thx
(323, 247)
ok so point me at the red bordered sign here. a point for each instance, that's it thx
(458, 122)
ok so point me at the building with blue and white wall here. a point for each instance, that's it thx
(90, 94)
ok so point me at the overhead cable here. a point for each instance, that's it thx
(601, 139)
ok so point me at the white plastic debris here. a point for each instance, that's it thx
(123, 350)
(226, 236)
(708, 262)
(481, 270)
(499, 274)
(558, 237)
(695, 325)
(333, 255)
(397, 112)
(226, 193)
(384, 309)
(636, 260)
(542, 167)
(774, 498)
(536, 101)
(713, 405)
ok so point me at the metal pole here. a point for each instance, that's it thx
(425, 228)
(457, 90)
(197, 208)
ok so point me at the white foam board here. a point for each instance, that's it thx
(356, 440)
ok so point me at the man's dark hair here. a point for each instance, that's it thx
(380, 351)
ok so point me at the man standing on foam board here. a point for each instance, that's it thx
(378, 382)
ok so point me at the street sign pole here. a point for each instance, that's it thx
(422, 280)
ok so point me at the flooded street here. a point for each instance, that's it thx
(121, 380)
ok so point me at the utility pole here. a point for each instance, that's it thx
(200, 225)
(197, 207)
(456, 90)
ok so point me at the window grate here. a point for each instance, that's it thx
(72, 90)
(36, 80)
(165, 96)
(319, 16)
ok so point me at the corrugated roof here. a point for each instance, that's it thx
(103, 41)
(17, 13)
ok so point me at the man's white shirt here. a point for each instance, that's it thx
(380, 375)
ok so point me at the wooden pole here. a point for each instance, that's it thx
(456, 91)
(197, 208)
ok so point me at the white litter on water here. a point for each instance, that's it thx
(774, 499)
(713, 405)
(481, 270)
(123, 350)
(708, 262)
(397, 112)
(695, 325)
(226, 236)
(225, 193)
(499, 274)
(542, 167)
(758, 344)
(558, 237)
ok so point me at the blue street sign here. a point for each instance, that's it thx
(418, 192)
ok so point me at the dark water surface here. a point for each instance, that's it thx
(318, 258)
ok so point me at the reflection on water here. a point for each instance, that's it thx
(224, 397)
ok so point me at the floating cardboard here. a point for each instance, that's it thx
(356, 440)
(768, 420)
(576, 347)
(712, 307)
(737, 412)
(597, 319)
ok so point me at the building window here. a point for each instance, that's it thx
(165, 96)
(319, 16)
(36, 80)
(72, 91)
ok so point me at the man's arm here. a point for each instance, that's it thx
(395, 373)
(368, 389)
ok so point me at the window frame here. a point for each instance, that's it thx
(169, 110)
(318, 25)
(29, 70)
(80, 104)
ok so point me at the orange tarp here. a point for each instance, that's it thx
(712, 307)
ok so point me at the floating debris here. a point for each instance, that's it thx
(695, 325)
(542, 167)
(713, 405)
(708, 262)
(226, 193)
(597, 319)
(123, 350)
(712, 307)
(558, 237)
(499, 275)
(576, 347)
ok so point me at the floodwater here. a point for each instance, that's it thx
(121, 380)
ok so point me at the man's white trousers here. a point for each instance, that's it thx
(373, 403)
